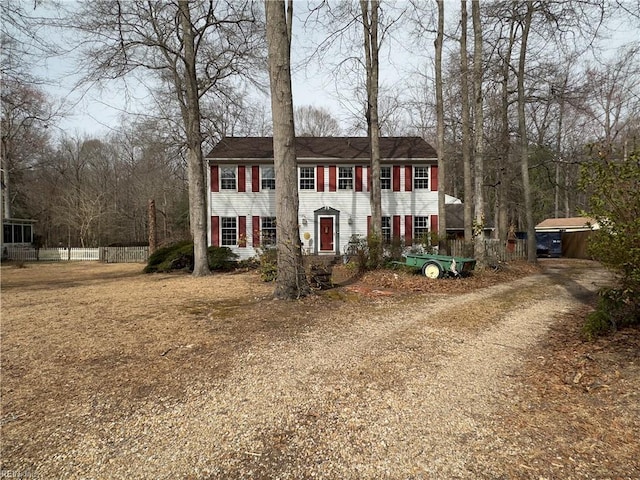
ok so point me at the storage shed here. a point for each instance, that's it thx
(573, 234)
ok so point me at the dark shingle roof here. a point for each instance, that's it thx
(354, 148)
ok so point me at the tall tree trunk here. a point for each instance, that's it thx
(524, 143)
(442, 216)
(153, 231)
(195, 160)
(371, 49)
(478, 115)
(559, 161)
(291, 282)
(504, 167)
(466, 128)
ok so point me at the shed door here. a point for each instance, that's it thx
(326, 234)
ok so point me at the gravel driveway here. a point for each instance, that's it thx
(400, 391)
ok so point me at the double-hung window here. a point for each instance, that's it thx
(228, 231)
(307, 178)
(268, 177)
(268, 231)
(420, 229)
(421, 177)
(345, 178)
(227, 178)
(385, 178)
(386, 229)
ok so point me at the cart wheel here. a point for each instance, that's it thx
(432, 270)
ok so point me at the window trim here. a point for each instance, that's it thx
(263, 239)
(385, 178)
(222, 178)
(263, 178)
(311, 180)
(420, 182)
(224, 228)
(425, 229)
(341, 178)
(387, 229)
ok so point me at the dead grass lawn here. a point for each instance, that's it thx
(92, 339)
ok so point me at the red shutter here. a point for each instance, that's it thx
(408, 230)
(215, 180)
(242, 178)
(255, 230)
(215, 231)
(434, 223)
(395, 228)
(320, 178)
(242, 231)
(408, 180)
(255, 178)
(366, 179)
(395, 176)
(332, 178)
(434, 178)
(358, 178)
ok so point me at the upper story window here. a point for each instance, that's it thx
(268, 231)
(268, 177)
(345, 178)
(228, 231)
(227, 178)
(421, 177)
(307, 178)
(385, 178)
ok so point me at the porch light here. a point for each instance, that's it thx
(304, 219)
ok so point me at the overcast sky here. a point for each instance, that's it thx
(94, 111)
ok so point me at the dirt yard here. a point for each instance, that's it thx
(108, 373)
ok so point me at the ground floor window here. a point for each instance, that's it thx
(228, 231)
(421, 230)
(17, 233)
(386, 229)
(268, 231)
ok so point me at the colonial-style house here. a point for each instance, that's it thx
(333, 189)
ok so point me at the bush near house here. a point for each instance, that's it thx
(179, 256)
(613, 185)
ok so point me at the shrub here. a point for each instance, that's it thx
(268, 259)
(358, 251)
(179, 256)
(616, 308)
(221, 259)
(612, 185)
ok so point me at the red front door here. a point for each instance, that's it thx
(326, 234)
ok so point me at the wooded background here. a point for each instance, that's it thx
(579, 96)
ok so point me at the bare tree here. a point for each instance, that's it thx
(478, 133)
(522, 130)
(466, 127)
(442, 212)
(315, 122)
(193, 47)
(371, 53)
(291, 282)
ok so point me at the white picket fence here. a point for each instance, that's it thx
(104, 254)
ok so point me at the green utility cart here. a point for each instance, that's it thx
(437, 266)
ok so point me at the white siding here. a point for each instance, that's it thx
(350, 204)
